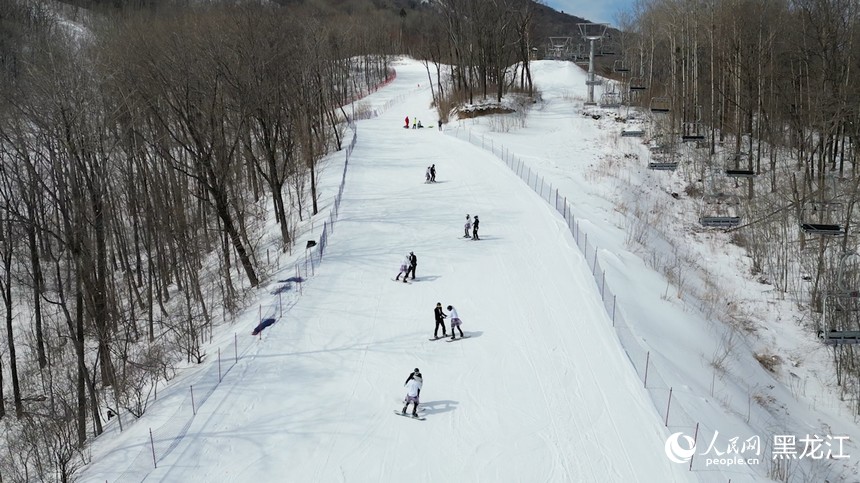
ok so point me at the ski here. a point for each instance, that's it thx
(407, 415)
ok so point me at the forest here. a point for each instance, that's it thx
(143, 146)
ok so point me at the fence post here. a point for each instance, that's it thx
(219, 365)
(602, 282)
(235, 347)
(152, 445)
(647, 360)
(695, 438)
(613, 308)
(193, 409)
(668, 404)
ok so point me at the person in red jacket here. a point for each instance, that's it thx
(407, 122)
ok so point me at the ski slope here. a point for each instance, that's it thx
(541, 391)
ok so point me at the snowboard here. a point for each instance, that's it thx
(407, 415)
(399, 281)
(458, 338)
(436, 338)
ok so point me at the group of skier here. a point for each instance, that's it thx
(416, 124)
(407, 266)
(473, 224)
(430, 174)
(440, 317)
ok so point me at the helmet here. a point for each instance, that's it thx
(438, 304)
(450, 307)
(416, 371)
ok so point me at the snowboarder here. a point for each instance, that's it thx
(427, 175)
(407, 123)
(440, 124)
(414, 124)
(433, 173)
(467, 226)
(420, 125)
(413, 264)
(404, 268)
(415, 374)
(455, 322)
(440, 321)
(413, 389)
(475, 229)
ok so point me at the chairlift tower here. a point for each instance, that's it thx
(591, 32)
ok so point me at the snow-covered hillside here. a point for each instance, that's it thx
(543, 389)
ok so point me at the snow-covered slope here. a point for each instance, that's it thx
(542, 390)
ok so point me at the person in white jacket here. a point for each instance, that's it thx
(455, 322)
(413, 389)
(404, 269)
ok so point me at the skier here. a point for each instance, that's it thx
(407, 122)
(475, 229)
(467, 226)
(440, 321)
(455, 322)
(427, 175)
(440, 124)
(404, 268)
(433, 173)
(413, 264)
(413, 389)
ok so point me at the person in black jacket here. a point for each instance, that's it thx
(416, 374)
(475, 228)
(433, 173)
(440, 321)
(413, 264)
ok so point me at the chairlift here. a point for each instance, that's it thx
(839, 337)
(661, 104)
(632, 132)
(720, 218)
(620, 67)
(637, 84)
(820, 218)
(610, 100)
(662, 159)
(734, 169)
(692, 131)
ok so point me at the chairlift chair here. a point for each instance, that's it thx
(692, 131)
(637, 84)
(734, 169)
(610, 100)
(833, 336)
(618, 66)
(820, 218)
(661, 104)
(719, 217)
(662, 159)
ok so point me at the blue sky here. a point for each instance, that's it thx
(595, 10)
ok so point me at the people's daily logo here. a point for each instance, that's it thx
(678, 452)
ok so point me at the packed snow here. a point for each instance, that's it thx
(545, 387)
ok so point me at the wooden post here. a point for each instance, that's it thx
(695, 437)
